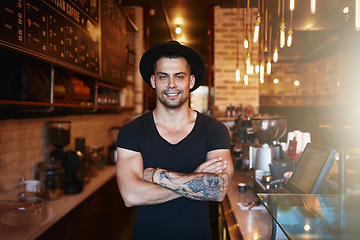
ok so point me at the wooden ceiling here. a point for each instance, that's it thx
(315, 35)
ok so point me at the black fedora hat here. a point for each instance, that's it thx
(194, 59)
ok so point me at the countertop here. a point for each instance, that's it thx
(58, 208)
(252, 224)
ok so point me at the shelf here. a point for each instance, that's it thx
(67, 105)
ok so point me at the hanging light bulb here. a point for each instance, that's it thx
(248, 65)
(178, 30)
(262, 73)
(289, 39)
(246, 43)
(268, 67)
(312, 6)
(292, 5)
(276, 55)
(282, 34)
(246, 79)
(357, 15)
(237, 75)
(257, 29)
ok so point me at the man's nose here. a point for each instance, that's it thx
(172, 82)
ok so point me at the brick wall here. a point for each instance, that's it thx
(226, 90)
(24, 143)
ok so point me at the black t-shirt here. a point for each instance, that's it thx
(181, 218)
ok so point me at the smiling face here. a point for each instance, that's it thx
(172, 81)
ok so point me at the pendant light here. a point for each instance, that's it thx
(282, 28)
(312, 6)
(237, 71)
(357, 15)
(290, 32)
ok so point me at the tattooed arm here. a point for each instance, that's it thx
(200, 185)
(135, 183)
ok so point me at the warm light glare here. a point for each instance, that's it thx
(268, 67)
(282, 34)
(346, 10)
(256, 33)
(307, 227)
(289, 39)
(312, 6)
(237, 75)
(357, 15)
(248, 66)
(276, 55)
(257, 68)
(276, 81)
(257, 29)
(246, 79)
(178, 30)
(296, 83)
(292, 5)
(262, 73)
(246, 43)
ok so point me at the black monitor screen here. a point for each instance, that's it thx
(313, 168)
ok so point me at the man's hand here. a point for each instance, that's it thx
(214, 165)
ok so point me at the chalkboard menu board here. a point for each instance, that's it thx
(113, 43)
(63, 32)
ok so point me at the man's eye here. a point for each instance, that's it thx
(179, 77)
(163, 77)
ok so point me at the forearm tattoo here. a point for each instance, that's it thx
(203, 187)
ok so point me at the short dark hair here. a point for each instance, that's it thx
(170, 55)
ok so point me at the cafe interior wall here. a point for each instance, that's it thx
(228, 52)
(24, 142)
(305, 118)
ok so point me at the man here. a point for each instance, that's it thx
(173, 160)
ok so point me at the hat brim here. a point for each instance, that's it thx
(195, 60)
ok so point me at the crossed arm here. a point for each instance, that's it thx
(209, 181)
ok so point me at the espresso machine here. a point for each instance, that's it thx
(59, 137)
(267, 129)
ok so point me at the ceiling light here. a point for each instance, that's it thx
(296, 83)
(262, 73)
(276, 55)
(246, 79)
(178, 30)
(282, 34)
(312, 6)
(268, 67)
(289, 39)
(237, 75)
(276, 81)
(246, 43)
(346, 10)
(357, 15)
(292, 5)
(257, 29)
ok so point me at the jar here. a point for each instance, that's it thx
(51, 174)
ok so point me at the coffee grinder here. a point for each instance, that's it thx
(59, 135)
(265, 130)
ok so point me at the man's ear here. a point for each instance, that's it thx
(152, 81)
(192, 81)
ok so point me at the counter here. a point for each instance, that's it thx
(57, 209)
(245, 224)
